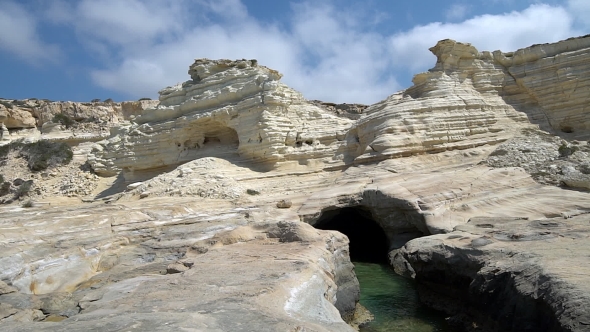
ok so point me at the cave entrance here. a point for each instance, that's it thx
(368, 241)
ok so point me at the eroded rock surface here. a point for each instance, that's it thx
(236, 110)
(65, 120)
(235, 272)
(505, 274)
(190, 226)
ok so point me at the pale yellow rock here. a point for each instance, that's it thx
(237, 110)
(15, 117)
(219, 151)
(88, 121)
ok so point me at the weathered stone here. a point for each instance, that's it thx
(6, 289)
(284, 204)
(258, 119)
(176, 268)
(6, 310)
(459, 152)
(71, 121)
(517, 281)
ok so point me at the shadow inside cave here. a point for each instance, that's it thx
(368, 241)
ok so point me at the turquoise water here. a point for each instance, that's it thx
(393, 301)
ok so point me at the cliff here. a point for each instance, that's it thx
(40, 118)
(476, 177)
(235, 109)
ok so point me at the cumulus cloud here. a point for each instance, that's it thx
(325, 51)
(121, 23)
(19, 35)
(339, 64)
(506, 32)
(456, 12)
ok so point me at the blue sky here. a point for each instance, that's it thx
(332, 50)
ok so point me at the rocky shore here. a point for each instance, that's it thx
(197, 211)
(505, 274)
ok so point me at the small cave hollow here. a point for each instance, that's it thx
(368, 241)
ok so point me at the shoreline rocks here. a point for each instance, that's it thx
(505, 274)
(183, 228)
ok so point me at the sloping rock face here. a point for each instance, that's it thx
(178, 264)
(235, 109)
(473, 98)
(435, 141)
(475, 200)
(462, 144)
(505, 274)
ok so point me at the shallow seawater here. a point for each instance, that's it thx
(393, 301)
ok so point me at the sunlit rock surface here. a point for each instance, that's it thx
(189, 232)
(237, 110)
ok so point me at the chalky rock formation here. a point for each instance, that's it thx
(432, 140)
(507, 274)
(473, 199)
(473, 98)
(178, 264)
(236, 109)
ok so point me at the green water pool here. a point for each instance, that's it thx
(393, 301)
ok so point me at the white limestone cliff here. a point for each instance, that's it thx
(235, 109)
(459, 152)
(473, 98)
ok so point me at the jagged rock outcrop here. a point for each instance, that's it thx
(473, 98)
(63, 119)
(468, 99)
(237, 109)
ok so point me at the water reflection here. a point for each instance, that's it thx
(394, 302)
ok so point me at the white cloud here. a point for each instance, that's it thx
(324, 51)
(506, 32)
(581, 11)
(456, 12)
(121, 23)
(19, 36)
(339, 64)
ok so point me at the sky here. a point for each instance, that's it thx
(332, 50)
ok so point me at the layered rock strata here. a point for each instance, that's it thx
(458, 158)
(236, 109)
(473, 98)
(174, 265)
(468, 99)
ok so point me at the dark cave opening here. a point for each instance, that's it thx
(368, 241)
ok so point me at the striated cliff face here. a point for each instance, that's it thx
(454, 171)
(473, 98)
(235, 109)
(468, 99)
